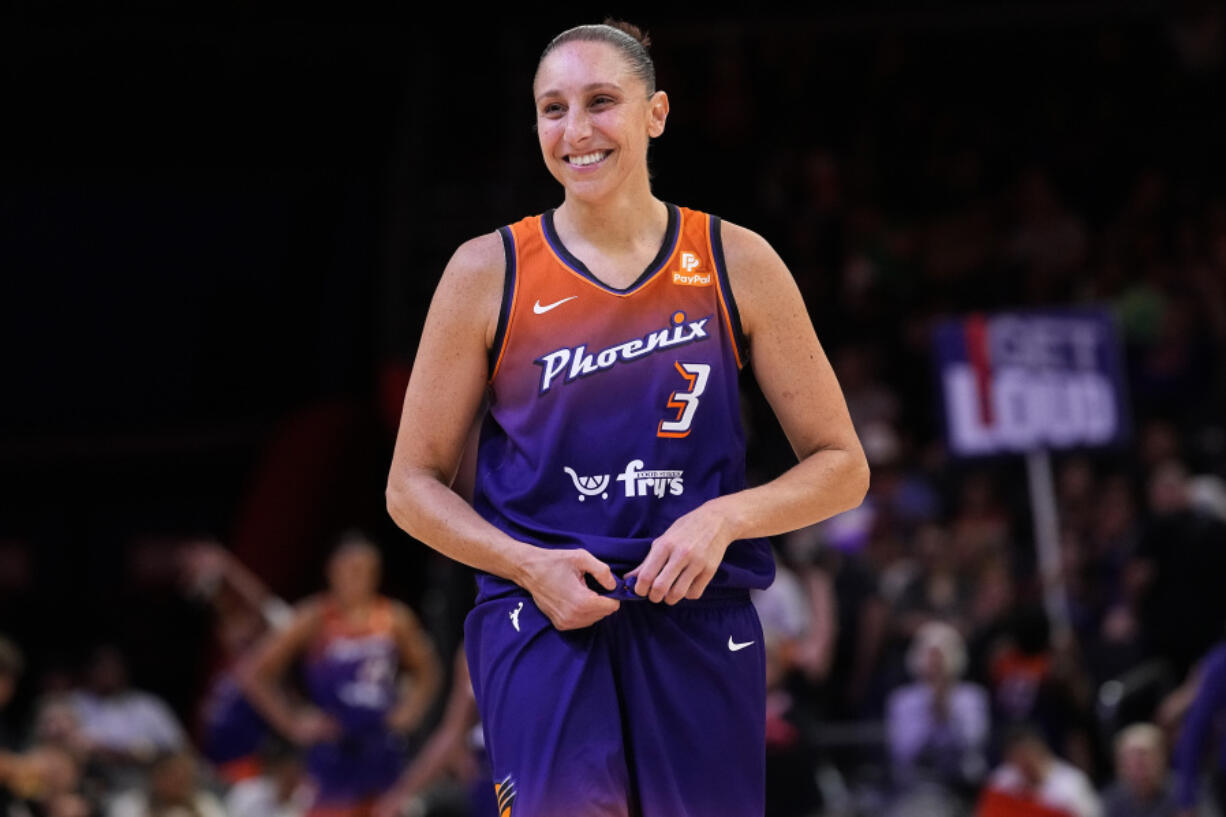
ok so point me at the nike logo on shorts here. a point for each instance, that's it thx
(541, 310)
(734, 646)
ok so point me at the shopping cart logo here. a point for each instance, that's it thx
(589, 486)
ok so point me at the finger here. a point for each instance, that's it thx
(646, 572)
(596, 607)
(681, 587)
(598, 570)
(667, 575)
(589, 613)
(700, 584)
(604, 606)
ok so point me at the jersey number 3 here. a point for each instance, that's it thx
(685, 402)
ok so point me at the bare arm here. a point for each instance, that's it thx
(796, 377)
(418, 656)
(260, 676)
(444, 743)
(444, 395)
(798, 381)
(209, 565)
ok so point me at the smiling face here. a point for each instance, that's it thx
(594, 119)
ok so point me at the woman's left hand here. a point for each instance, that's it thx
(683, 559)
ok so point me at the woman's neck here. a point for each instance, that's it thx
(615, 224)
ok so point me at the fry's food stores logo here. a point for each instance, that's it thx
(636, 481)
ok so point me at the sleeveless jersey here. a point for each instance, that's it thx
(614, 412)
(351, 672)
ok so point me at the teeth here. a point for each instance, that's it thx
(589, 158)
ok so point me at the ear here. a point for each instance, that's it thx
(657, 113)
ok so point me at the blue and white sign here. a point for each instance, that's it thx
(1023, 381)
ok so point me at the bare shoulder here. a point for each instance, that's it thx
(471, 285)
(761, 283)
(745, 249)
(403, 616)
(478, 258)
(306, 621)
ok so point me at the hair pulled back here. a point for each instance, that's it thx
(627, 38)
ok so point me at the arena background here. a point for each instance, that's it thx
(220, 230)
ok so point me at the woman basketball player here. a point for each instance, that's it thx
(353, 643)
(616, 659)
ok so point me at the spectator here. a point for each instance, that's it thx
(1141, 788)
(981, 526)
(937, 727)
(789, 615)
(1032, 782)
(56, 724)
(937, 591)
(121, 727)
(1178, 570)
(1034, 681)
(173, 791)
(42, 782)
(281, 789)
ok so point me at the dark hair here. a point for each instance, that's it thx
(355, 540)
(627, 38)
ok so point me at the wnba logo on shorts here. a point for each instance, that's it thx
(687, 276)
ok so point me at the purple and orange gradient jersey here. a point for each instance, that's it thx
(614, 411)
(351, 672)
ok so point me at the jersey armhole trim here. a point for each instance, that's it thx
(498, 347)
(732, 318)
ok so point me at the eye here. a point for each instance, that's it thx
(551, 109)
(603, 101)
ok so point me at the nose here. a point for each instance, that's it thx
(578, 126)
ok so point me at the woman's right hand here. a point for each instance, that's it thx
(313, 726)
(555, 578)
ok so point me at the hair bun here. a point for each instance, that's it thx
(634, 31)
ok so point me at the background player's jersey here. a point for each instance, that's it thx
(351, 672)
(614, 412)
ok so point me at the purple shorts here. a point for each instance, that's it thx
(654, 711)
(356, 767)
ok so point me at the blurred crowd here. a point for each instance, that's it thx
(913, 668)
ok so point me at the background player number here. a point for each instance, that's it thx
(371, 686)
(685, 402)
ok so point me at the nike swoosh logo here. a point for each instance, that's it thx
(732, 645)
(541, 310)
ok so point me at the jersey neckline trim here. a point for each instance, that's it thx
(672, 234)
